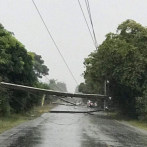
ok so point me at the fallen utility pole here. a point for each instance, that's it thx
(67, 101)
(50, 92)
(61, 103)
(57, 111)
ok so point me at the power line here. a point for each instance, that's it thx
(58, 88)
(90, 17)
(87, 23)
(43, 117)
(54, 85)
(54, 41)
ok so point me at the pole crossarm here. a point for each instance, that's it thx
(50, 92)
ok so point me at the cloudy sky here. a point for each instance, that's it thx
(68, 28)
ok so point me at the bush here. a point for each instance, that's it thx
(4, 103)
(141, 108)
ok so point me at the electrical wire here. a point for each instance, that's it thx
(54, 85)
(77, 121)
(47, 118)
(69, 108)
(54, 42)
(87, 23)
(33, 93)
(90, 17)
(42, 116)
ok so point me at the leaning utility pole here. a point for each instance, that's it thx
(105, 93)
(49, 92)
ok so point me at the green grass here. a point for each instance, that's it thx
(9, 122)
(13, 120)
(136, 123)
(133, 122)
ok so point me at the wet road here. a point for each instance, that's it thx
(74, 130)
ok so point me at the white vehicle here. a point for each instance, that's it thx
(95, 104)
(90, 104)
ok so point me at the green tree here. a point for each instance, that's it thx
(16, 66)
(84, 88)
(77, 89)
(57, 86)
(121, 59)
(38, 64)
(62, 86)
(42, 85)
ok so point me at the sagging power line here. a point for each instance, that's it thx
(54, 42)
(90, 17)
(86, 22)
(89, 13)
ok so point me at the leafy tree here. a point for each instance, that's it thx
(62, 86)
(15, 65)
(19, 67)
(121, 59)
(84, 88)
(39, 67)
(57, 86)
(42, 85)
(77, 89)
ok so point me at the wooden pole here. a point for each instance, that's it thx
(43, 98)
(105, 93)
(49, 92)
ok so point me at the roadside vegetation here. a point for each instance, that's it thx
(13, 120)
(124, 118)
(18, 66)
(122, 60)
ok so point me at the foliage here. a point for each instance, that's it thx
(15, 65)
(141, 108)
(38, 64)
(57, 86)
(16, 119)
(83, 88)
(121, 59)
(4, 103)
(77, 89)
(20, 67)
(42, 85)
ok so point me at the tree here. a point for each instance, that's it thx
(62, 86)
(77, 89)
(121, 59)
(84, 88)
(19, 67)
(57, 86)
(39, 67)
(15, 65)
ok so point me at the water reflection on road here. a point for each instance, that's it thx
(79, 130)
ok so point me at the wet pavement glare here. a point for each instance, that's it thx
(76, 130)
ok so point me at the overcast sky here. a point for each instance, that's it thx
(68, 28)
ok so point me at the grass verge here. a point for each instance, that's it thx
(13, 120)
(133, 122)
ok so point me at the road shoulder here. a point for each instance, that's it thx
(21, 129)
(134, 127)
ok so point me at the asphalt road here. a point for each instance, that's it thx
(74, 130)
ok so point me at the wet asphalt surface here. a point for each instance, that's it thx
(73, 130)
